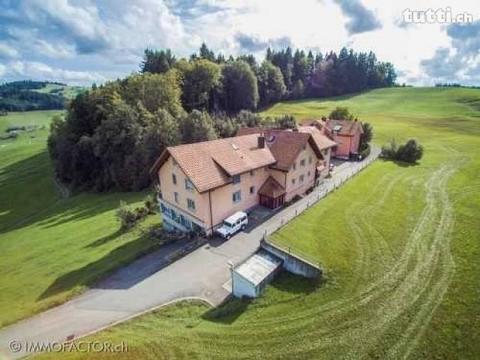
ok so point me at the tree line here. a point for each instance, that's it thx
(243, 83)
(113, 133)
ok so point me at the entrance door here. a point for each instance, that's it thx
(272, 203)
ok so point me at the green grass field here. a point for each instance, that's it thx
(52, 248)
(69, 92)
(399, 244)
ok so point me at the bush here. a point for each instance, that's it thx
(365, 152)
(285, 122)
(127, 217)
(151, 204)
(389, 151)
(340, 113)
(366, 137)
(410, 152)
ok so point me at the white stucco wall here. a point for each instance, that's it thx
(241, 287)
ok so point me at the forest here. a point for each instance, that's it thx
(24, 96)
(113, 133)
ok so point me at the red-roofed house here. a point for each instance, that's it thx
(345, 133)
(201, 184)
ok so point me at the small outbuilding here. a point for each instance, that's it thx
(251, 277)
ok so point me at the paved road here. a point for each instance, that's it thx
(140, 286)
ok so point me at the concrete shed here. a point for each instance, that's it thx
(250, 277)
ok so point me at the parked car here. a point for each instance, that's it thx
(233, 224)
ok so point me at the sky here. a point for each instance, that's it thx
(80, 42)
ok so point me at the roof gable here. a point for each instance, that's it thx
(322, 141)
(211, 164)
(285, 146)
(271, 188)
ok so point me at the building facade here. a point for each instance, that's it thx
(201, 184)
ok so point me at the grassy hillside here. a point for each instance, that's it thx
(52, 247)
(35, 95)
(67, 91)
(399, 245)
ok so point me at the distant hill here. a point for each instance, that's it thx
(35, 95)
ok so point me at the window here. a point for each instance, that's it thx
(252, 172)
(302, 162)
(237, 196)
(191, 204)
(252, 189)
(294, 166)
(293, 181)
(174, 162)
(301, 178)
(309, 159)
(188, 184)
(175, 194)
(174, 179)
(309, 174)
(163, 208)
(236, 179)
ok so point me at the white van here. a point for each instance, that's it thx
(232, 225)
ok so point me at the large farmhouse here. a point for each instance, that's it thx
(203, 183)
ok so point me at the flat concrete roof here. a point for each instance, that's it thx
(257, 267)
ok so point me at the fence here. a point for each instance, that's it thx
(343, 173)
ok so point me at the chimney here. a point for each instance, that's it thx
(261, 141)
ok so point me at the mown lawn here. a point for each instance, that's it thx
(399, 244)
(52, 248)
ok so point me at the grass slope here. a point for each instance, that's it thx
(68, 91)
(52, 248)
(399, 245)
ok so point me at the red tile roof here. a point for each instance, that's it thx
(323, 142)
(248, 131)
(285, 146)
(271, 188)
(210, 164)
(346, 127)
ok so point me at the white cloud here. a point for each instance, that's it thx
(55, 51)
(41, 71)
(7, 52)
(107, 38)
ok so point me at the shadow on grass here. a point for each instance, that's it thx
(228, 312)
(91, 273)
(232, 309)
(105, 239)
(27, 196)
(296, 284)
(401, 163)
